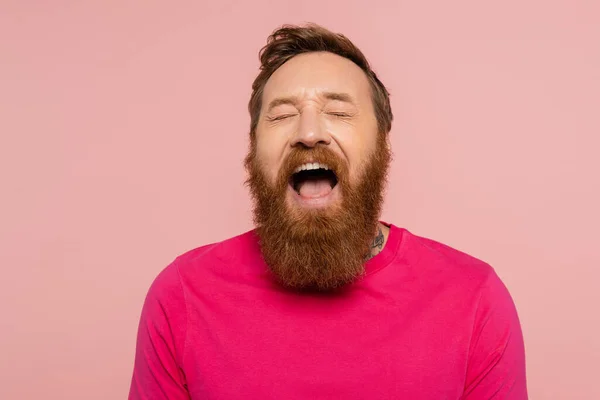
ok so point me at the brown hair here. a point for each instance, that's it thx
(289, 41)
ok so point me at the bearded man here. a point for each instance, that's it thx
(322, 300)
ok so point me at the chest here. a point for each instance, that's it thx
(378, 348)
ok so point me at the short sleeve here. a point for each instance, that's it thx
(496, 364)
(158, 368)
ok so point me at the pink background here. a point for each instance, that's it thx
(123, 126)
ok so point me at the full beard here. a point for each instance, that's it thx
(318, 249)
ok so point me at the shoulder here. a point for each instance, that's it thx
(235, 249)
(221, 250)
(170, 287)
(434, 257)
(462, 275)
(202, 265)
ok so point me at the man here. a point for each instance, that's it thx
(322, 300)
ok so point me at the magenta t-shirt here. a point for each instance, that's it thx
(425, 322)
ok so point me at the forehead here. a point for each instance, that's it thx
(310, 74)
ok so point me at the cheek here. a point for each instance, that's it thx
(269, 157)
(359, 152)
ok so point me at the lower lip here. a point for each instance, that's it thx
(314, 202)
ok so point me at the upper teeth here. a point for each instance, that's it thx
(310, 166)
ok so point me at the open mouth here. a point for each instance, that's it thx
(313, 180)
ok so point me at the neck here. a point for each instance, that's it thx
(379, 241)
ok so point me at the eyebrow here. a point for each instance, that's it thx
(293, 100)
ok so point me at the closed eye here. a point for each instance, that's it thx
(339, 114)
(280, 117)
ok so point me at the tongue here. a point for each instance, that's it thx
(314, 188)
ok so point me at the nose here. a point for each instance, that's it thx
(310, 131)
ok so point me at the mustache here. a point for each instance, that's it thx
(319, 154)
